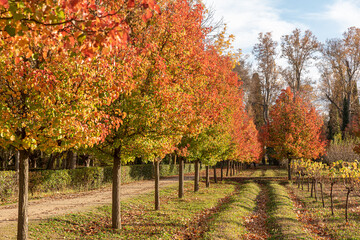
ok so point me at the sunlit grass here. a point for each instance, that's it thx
(229, 222)
(282, 221)
(177, 219)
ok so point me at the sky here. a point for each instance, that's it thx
(247, 18)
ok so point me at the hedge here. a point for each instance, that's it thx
(8, 185)
(43, 181)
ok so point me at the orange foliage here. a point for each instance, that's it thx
(295, 128)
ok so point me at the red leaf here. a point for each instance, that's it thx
(73, 3)
(157, 9)
(148, 14)
(151, 3)
(131, 3)
(4, 3)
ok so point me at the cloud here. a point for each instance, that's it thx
(345, 13)
(246, 19)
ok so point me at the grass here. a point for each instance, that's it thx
(178, 218)
(282, 220)
(228, 223)
(258, 173)
(275, 173)
(333, 225)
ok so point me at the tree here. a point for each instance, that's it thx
(255, 103)
(340, 71)
(168, 77)
(298, 51)
(294, 130)
(265, 54)
(56, 74)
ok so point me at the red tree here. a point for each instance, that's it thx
(294, 130)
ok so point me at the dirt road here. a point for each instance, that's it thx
(70, 203)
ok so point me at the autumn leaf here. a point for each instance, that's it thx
(131, 4)
(147, 15)
(4, 3)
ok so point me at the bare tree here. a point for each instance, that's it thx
(265, 54)
(298, 51)
(340, 71)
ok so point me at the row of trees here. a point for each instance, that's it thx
(120, 79)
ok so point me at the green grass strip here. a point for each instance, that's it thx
(258, 173)
(177, 218)
(228, 223)
(282, 220)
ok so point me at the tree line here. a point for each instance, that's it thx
(337, 61)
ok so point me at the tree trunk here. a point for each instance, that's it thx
(347, 204)
(233, 168)
(175, 156)
(50, 165)
(58, 162)
(315, 190)
(322, 194)
(34, 166)
(207, 176)
(69, 157)
(312, 188)
(23, 221)
(157, 179)
(65, 161)
(17, 157)
(215, 177)
(116, 204)
(222, 168)
(72, 162)
(196, 179)
(308, 183)
(331, 198)
(289, 169)
(181, 177)
(227, 168)
(302, 182)
(87, 161)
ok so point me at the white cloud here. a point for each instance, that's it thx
(345, 13)
(247, 18)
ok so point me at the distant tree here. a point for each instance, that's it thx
(244, 70)
(298, 51)
(294, 130)
(265, 54)
(340, 71)
(255, 102)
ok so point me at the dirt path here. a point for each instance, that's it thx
(70, 203)
(256, 222)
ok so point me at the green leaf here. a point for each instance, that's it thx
(10, 30)
(61, 15)
(18, 16)
(81, 38)
(13, 9)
